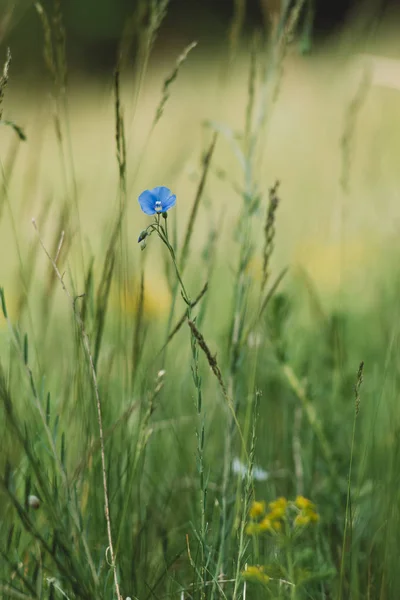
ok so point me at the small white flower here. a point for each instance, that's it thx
(33, 502)
(241, 469)
(259, 474)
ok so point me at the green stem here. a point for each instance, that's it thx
(163, 234)
(290, 566)
(162, 231)
(347, 522)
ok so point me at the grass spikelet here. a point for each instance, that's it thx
(157, 13)
(131, 32)
(274, 67)
(169, 81)
(119, 130)
(48, 53)
(3, 84)
(251, 89)
(150, 15)
(269, 233)
(60, 47)
(358, 386)
(4, 80)
(212, 361)
(288, 30)
(193, 213)
(54, 45)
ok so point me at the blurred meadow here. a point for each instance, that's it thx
(212, 412)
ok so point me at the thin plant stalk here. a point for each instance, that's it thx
(86, 345)
(347, 523)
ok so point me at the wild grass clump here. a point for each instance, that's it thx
(211, 440)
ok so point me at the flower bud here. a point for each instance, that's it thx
(142, 236)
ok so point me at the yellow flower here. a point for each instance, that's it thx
(308, 513)
(277, 526)
(265, 524)
(313, 516)
(277, 513)
(305, 517)
(279, 504)
(257, 509)
(255, 573)
(301, 520)
(304, 503)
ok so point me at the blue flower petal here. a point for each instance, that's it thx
(165, 197)
(162, 193)
(169, 202)
(147, 201)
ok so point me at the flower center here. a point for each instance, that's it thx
(157, 206)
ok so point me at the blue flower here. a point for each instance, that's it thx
(158, 200)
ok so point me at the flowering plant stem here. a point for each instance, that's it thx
(162, 231)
